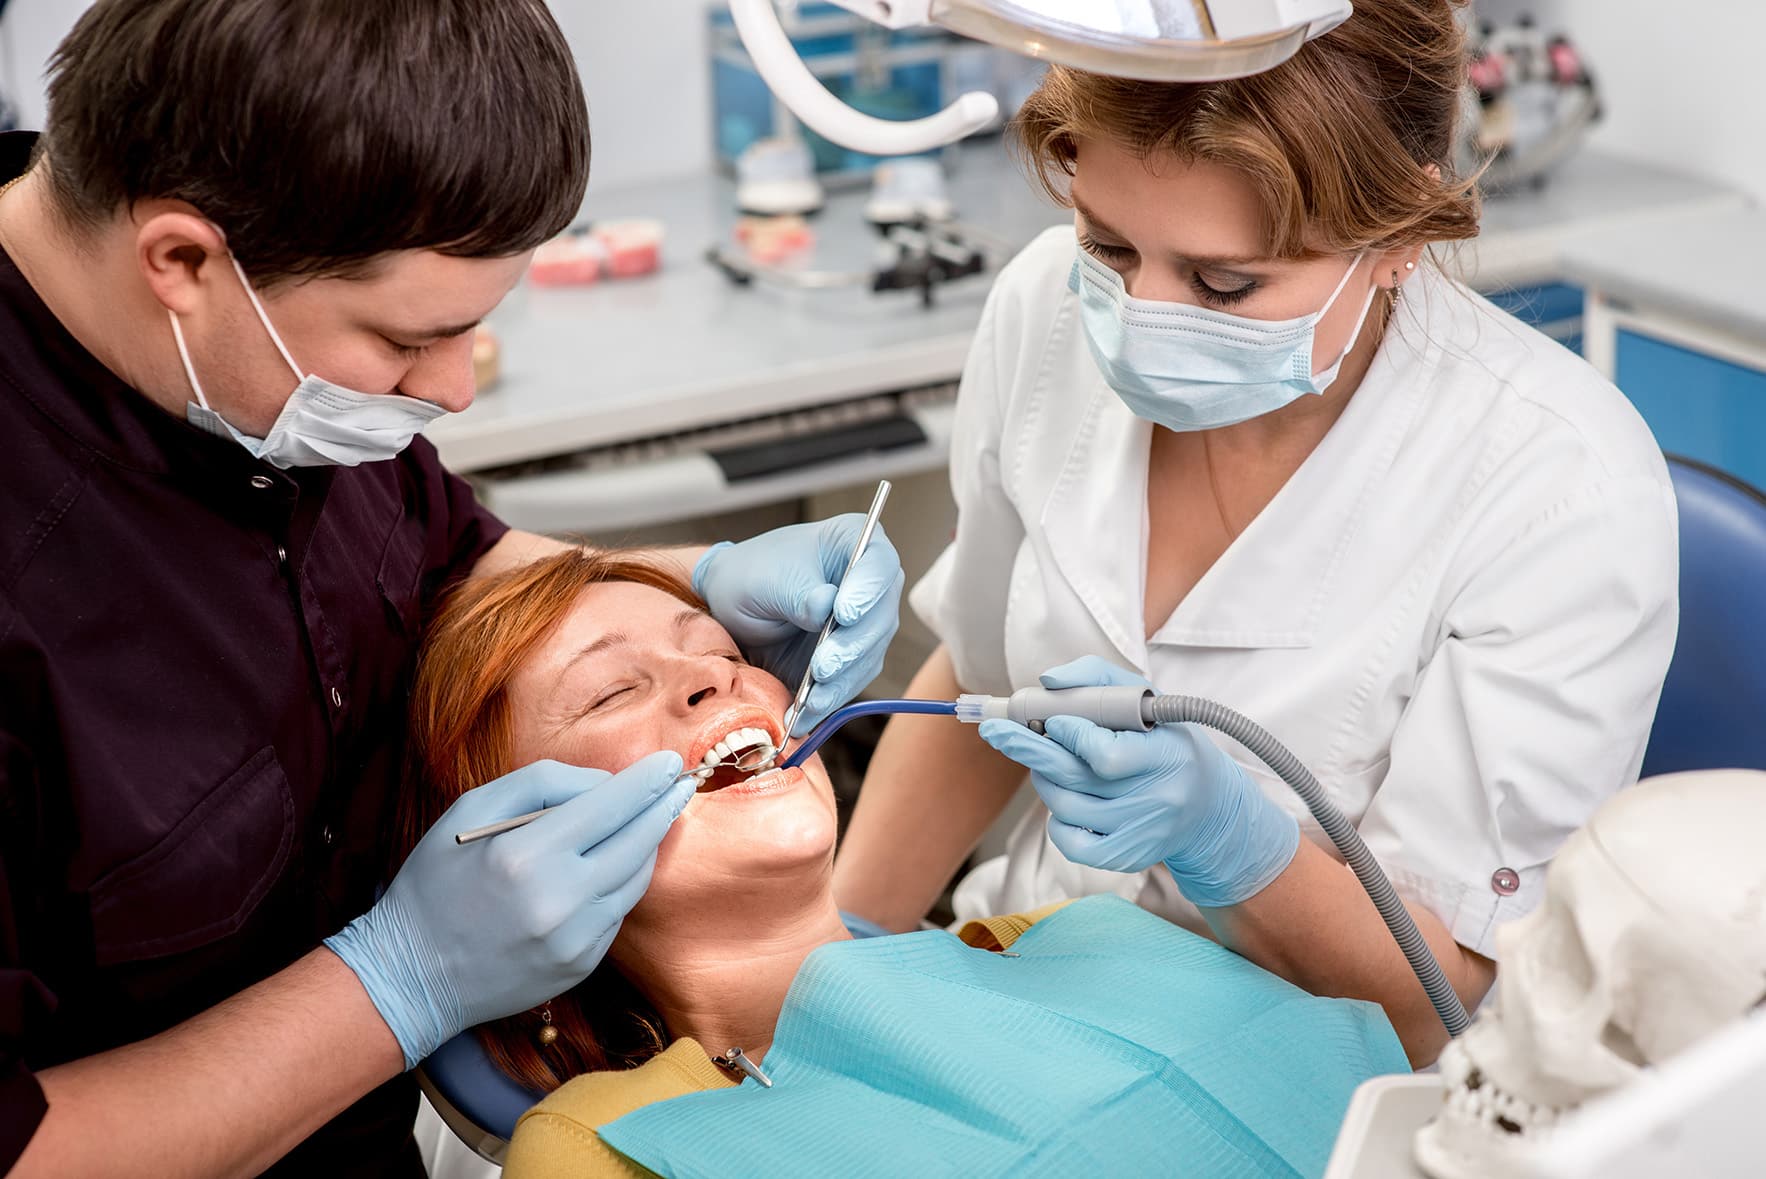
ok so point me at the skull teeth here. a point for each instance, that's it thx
(1472, 1095)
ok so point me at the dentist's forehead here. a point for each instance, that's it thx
(1195, 208)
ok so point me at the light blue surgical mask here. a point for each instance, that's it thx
(1194, 368)
(323, 424)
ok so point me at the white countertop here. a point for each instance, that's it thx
(1704, 266)
(683, 348)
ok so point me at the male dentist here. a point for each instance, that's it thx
(239, 273)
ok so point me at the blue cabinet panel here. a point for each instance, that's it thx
(1697, 405)
(1540, 304)
(1553, 308)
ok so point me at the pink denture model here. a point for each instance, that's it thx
(609, 249)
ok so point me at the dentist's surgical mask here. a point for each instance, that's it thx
(1194, 368)
(323, 424)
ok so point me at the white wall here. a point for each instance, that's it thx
(642, 61)
(649, 86)
(29, 31)
(1682, 83)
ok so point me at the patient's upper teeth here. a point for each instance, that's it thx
(738, 741)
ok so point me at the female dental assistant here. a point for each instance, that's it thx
(1236, 434)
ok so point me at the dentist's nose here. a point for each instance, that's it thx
(444, 375)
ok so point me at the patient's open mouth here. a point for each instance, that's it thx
(725, 776)
(737, 757)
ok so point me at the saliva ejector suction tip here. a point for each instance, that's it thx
(972, 708)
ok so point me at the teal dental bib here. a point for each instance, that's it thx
(1112, 1043)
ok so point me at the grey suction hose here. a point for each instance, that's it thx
(1127, 708)
(1171, 710)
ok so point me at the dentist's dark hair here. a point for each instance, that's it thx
(322, 134)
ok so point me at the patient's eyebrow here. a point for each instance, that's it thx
(688, 617)
(613, 638)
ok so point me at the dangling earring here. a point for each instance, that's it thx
(1397, 287)
(548, 1034)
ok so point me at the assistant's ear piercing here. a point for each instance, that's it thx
(1397, 290)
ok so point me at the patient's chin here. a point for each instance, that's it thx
(768, 828)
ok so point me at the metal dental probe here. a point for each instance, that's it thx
(697, 776)
(858, 550)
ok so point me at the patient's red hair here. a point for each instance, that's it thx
(462, 736)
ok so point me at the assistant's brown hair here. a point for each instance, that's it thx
(320, 134)
(1350, 143)
(462, 736)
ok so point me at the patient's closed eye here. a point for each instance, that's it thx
(610, 694)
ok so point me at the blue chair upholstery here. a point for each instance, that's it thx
(1713, 709)
(481, 1104)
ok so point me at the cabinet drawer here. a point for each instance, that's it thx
(1697, 405)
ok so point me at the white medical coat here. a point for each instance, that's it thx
(1458, 612)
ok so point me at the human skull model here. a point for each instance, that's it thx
(1651, 935)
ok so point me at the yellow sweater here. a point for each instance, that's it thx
(557, 1137)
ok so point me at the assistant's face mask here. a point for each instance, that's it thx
(1195, 368)
(323, 424)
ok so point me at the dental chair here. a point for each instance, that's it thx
(481, 1104)
(1713, 709)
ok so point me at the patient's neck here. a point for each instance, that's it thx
(720, 976)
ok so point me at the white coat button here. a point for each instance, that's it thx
(1505, 882)
(336, 698)
(328, 837)
(262, 482)
(281, 555)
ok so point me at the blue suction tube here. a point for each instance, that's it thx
(840, 717)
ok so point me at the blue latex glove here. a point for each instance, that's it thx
(773, 594)
(1127, 801)
(466, 934)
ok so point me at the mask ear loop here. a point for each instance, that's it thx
(264, 318)
(1341, 283)
(184, 355)
(1360, 320)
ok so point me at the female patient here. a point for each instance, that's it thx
(598, 660)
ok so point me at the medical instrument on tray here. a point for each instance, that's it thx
(1136, 709)
(858, 550)
(747, 761)
(916, 255)
(1203, 40)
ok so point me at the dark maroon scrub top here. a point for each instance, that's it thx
(204, 664)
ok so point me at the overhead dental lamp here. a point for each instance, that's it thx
(1154, 40)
